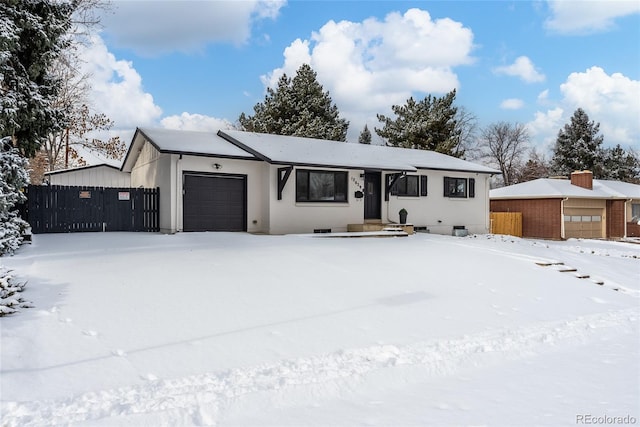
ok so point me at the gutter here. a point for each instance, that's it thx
(179, 191)
(562, 232)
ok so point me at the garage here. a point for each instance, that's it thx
(214, 202)
(583, 223)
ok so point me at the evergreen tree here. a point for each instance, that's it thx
(365, 136)
(578, 147)
(32, 34)
(13, 178)
(429, 124)
(621, 166)
(299, 107)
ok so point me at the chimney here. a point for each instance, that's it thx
(582, 179)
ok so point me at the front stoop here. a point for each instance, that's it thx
(379, 226)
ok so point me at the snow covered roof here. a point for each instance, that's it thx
(545, 188)
(182, 142)
(294, 150)
(187, 141)
(100, 165)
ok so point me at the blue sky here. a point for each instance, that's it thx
(199, 64)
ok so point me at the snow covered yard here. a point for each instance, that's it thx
(237, 329)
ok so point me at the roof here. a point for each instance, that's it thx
(547, 188)
(182, 142)
(101, 165)
(293, 150)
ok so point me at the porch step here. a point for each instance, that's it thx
(379, 226)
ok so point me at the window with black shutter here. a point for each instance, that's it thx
(455, 187)
(423, 185)
(406, 186)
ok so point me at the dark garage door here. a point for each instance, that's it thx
(214, 202)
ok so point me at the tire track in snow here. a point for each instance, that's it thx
(202, 397)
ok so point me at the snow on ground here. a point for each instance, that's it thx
(237, 329)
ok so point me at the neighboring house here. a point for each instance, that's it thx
(581, 207)
(241, 181)
(102, 175)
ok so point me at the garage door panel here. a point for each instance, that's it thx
(585, 223)
(214, 202)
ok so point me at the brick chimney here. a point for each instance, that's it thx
(582, 179)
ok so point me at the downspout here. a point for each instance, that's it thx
(178, 190)
(562, 217)
(383, 187)
(487, 199)
(625, 216)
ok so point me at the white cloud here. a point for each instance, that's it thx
(376, 63)
(522, 68)
(512, 104)
(587, 16)
(165, 26)
(187, 121)
(116, 88)
(545, 126)
(543, 97)
(611, 100)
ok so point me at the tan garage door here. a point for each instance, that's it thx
(585, 223)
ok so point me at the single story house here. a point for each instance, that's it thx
(242, 181)
(581, 207)
(102, 175)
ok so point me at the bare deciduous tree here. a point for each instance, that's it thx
(503, 145)
(536, 166)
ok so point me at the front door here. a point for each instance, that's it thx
(372, 200)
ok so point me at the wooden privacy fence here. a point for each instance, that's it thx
(60, 209)
(506, 223)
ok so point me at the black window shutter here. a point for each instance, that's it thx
(446, 186)
(472, 187)
(423, 185)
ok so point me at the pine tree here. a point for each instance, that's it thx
(32, 34)
(365, 136)
(578, 147)
(621, 166)
(299, 107)
(13, 178)
(427, 125)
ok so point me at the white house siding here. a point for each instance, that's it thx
(267, 214)
(97, 176)
(439, 213)
(255, 172)
(288, 216)
(153, 169)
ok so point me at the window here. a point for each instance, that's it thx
(321, 186)
(408, 185)
(423, 185)
(459, 187)
(635, 212)
(582, 218)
